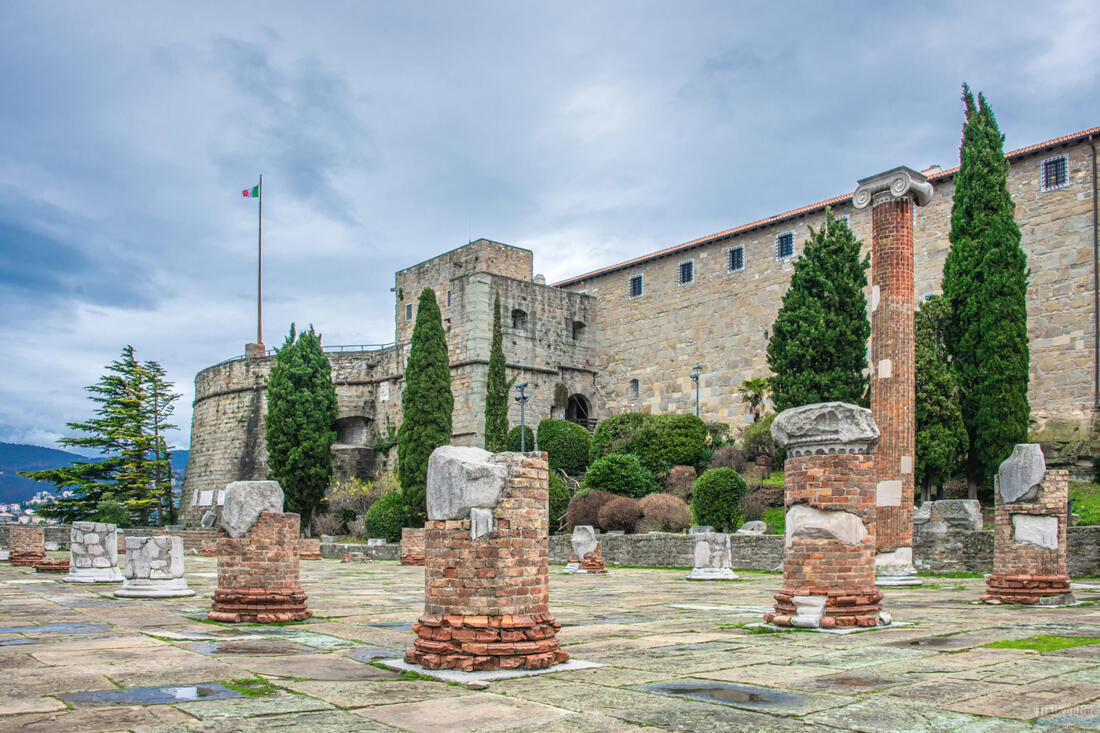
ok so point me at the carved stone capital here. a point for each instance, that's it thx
(825, 428)
(898, 183)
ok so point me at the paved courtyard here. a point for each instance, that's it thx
(678, 656)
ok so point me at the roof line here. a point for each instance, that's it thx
(710, 238)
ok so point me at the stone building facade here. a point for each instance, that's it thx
(625, 337)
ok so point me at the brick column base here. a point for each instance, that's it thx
(310, 549)
(256, 605)
(26, 559)
(1028, 589)
(592, 563)
(475, 643)
(844, 608)
(52, 566)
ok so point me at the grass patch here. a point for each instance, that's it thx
(951, 575)
(1086, 501)
(252, 687)
(776, 518)
(775, 479)
(1044, 643)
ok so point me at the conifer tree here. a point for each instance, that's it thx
(427, 407)
(818, 348)
(496, 390)
(940, 434)
(120, 433)
(158, 411)
(301, 416)
(985, 284)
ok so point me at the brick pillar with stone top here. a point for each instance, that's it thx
(27, 545)
(486, 585)
(259, 577)
(893, 196)
(1029, 534)
(829, 493)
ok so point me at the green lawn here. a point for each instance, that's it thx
(1044, 643)
(1086, 501)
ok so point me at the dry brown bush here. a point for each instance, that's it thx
(680, 481)
(584, 508)
(664, 513)
(753, 505)
(728, 456)
(328, 524)
(622, 512)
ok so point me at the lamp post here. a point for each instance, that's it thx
(695, 372)
(522, 400)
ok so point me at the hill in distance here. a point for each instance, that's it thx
(15, 457)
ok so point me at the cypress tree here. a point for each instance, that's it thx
(985, 284)
(818, 348)
(427, 406)
(300, 422)
(158, 410)
(496, 390)
(940, 432)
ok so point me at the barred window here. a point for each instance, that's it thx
(687, 272)
(735, 259)
(633, 389)
(408, 312)
(519, 318)
(1055, 173)
(784, 246)
(636, 286)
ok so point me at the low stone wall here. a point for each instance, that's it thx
(955, 551)
(58, 533)
(337, 550)
(666, 550)
(1083, 551)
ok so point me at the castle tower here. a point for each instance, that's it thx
(892, 196)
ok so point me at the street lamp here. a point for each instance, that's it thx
(695, 372)
(522, 400)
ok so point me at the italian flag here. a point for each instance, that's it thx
(251, 193)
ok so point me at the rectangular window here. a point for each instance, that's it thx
(408, 312)
(687, 272)
(636, 286)
(448, 298)
(845, 220)
(784, 246)
(735, 259)
(1055, 173)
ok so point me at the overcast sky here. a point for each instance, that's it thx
(589, 132)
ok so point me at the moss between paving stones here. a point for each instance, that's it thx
(1044, 643)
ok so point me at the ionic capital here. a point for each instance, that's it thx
(898, 183)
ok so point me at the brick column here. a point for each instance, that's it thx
(412, 546)
(892, 196)
(1029, 537)
(258, 574)
(829, 558)
(27, 545)
(486, 555)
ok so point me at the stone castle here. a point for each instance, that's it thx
(627, 337)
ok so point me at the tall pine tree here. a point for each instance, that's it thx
(427, 406)
(496, 390)
(818, 348)
(158, 410)
(985, 284)
(122, 434)
(940, 433)
(300, 423)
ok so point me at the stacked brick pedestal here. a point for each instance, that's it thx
(586, 552)
(412, 546)
(829, 560)
(485, 576)
(893, 196)
(258, 574)
(27, 545)
(52, 566)
(310, 549)
(1029, 536)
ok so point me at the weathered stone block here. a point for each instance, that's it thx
(1021, 473)
(154, 568)
(245, 501)
(461, 478)
(93, 550)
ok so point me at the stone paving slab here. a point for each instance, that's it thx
(481, 712)
(245, 707)
(871, 716)
(326, 721)
(328, 667)
(1032, 701)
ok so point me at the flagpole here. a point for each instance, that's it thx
(260, 270)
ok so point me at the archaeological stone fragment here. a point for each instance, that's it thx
(245, 501)
(712, 557)
(154, 568)
(93, 553)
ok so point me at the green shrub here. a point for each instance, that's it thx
(113, 512)
(757, 441)
(670, 440)
(584, 508)
(717, 499)
(513, 438)
(566, 445)
(621, 474)
(616, 434)
(385, 518)
(559, 501)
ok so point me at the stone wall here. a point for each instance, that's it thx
(722, 320)
(58, 533)
(337, 550)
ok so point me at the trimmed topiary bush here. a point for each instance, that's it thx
(621, 513)
(663, 513)
(680, 481)
(385, 518)
(559, 501)
(717, 499)
(513, 438)
(616, 434)
(584, 508)
(621, 474)
(566, 444)
(670, 440)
